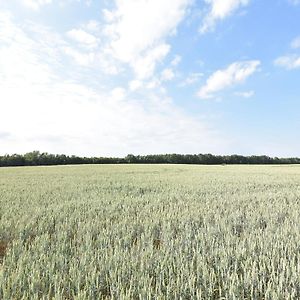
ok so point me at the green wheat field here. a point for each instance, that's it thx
(150, 232)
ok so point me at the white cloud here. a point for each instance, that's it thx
(51, 108)
(83, 38)
(295, 44)
(247, 94)
(135, 85)
(36, 4)
(144, 66)
(289, 62)
(233, 74)
(118, 93)
(176, 61)
(153, 84)
(219, 10)
(167, 74)
(138, 30)
(191, 79)
(81, 58)
(134, 34)
(92, 25)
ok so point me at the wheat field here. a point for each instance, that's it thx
(150, 232)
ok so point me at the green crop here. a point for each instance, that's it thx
(150, 232)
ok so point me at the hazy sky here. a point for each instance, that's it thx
(113, 77)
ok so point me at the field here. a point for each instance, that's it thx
(150, 232)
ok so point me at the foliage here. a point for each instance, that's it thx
(36, 158)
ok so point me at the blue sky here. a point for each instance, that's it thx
(90, 77)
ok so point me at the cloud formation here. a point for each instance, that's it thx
(138, 30)
(35, 4)
(191, 79)
(295, 44)
(84, 38)
(50, 106)
(219, 10)
(247, 94)
(288, 62)
(235, 73)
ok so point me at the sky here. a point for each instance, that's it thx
(113, 77)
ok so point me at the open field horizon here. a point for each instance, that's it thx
(149, 150)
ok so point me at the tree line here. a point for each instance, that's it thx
(37, 158)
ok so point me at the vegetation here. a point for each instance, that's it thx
(150, 232)
(36, 158)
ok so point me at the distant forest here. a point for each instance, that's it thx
(37, 158)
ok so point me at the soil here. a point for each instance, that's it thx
(3, 250)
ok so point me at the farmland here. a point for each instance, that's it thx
(150, 232)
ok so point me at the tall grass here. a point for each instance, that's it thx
(150, 232)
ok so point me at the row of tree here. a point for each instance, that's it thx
(36, 158)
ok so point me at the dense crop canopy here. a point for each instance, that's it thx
(150, 232)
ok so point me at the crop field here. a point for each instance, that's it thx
(150, 232)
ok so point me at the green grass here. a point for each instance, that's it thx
(150, 232)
